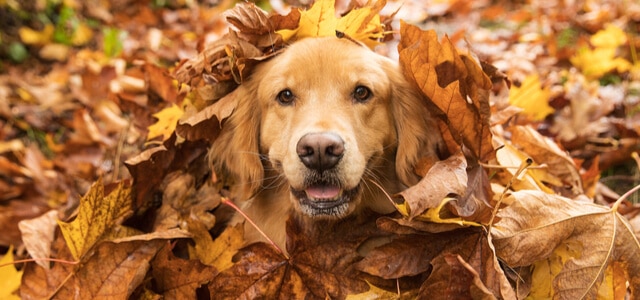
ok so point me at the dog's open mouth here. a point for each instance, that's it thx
(325, 199)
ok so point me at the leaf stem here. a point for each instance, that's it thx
(227, 201)
(15, 262)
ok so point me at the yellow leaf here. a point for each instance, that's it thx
(320, 20)
(96, 218)
(32, 37)
(602, 59)
(167, 122)
(433, 215)
(10, 278)
(546, 270)
(82, 35)
(610, 37)
(532, 98)
(218, 252)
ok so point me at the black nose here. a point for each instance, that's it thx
(320, 151)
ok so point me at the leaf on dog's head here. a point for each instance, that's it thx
(362, 24)
(207, 123)
(232, 57)
(454, 82)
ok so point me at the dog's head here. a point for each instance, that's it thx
(324, 117)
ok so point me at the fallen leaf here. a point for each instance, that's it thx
(558, 162)
(167, 122)
(532, 98)
(9, 277)
(320, 264)
(447, 177)
(113, 271)
(592, 237)
(38, 234)
(603, 58)
(98, 214)
(178, 278)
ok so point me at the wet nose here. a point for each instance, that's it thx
(320, 151)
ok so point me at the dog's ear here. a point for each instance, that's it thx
(417, 131)
(235, 153)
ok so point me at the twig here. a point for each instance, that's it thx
(523, 166)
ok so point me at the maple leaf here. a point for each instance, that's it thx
(321, 263)
(9, 277)
(579, 240)
(603, 58)
(532, 98)
(97, 216)
(454, 83)
(362, 24)
(167, 122)
(113, 271)
(179, 278)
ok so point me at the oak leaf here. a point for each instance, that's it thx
(454, 82)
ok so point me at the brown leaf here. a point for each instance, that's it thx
(447, 177)
(38, 234)
(321, 264)
(179, 278)
(537, 223)
(112, 272)
(544, 150)
(425, 253)
(149, 168)
(207, 124)
(454, 83)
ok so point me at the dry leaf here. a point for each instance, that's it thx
(38, 234)
(167, 122)
(537, 224)
(532, 98)
(447, 177)
(179, 278)
(9, 277)
(97, 216)
(453, 82)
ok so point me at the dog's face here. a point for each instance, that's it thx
(326, 117)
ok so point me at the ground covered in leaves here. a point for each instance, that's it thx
(107, 108)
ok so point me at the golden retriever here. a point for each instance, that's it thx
(315, 126)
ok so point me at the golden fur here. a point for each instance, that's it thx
(316, 87)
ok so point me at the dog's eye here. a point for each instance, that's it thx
(362, 93)
(285, 97)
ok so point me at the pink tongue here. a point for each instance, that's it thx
(323, 191)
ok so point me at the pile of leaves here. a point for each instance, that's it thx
(517, 209)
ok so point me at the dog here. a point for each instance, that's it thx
(324, 130)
